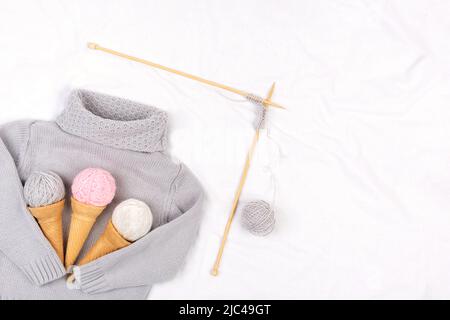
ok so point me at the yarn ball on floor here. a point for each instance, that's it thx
(258, 217)
(43, 189)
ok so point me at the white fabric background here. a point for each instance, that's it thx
(363, 197)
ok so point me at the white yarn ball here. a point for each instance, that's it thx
(132, 219)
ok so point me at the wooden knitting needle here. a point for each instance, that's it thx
(95, 46)
(240, 187)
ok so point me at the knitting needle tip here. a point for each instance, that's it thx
(269, 97)
(273, 104)
(272, 88)
(92, 45)
(214, 272)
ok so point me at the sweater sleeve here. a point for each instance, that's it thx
(21, 240)
(156, 257)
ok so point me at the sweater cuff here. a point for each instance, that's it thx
(90, 278)
(44, 270)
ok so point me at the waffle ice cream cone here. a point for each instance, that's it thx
(131, 220)
(50, 220)
(44, 193)
(92, 190)
(109, 241)
(81, 223)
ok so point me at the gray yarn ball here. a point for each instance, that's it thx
(258, 217)
(43, 188)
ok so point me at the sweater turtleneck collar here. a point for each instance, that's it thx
(114, 122)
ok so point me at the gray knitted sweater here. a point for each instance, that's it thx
(126, 138)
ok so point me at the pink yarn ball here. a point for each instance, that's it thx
(94, 186)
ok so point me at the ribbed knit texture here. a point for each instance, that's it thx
(44, 270)
(126, 139)
(91, 279)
